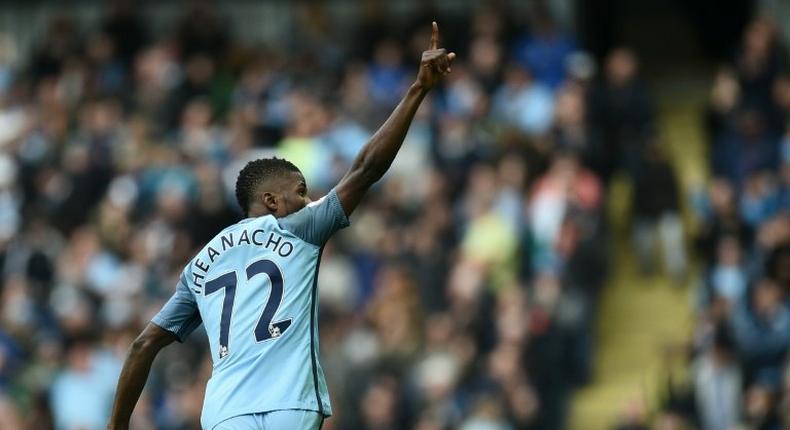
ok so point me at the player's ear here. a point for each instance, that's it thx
(271, 201)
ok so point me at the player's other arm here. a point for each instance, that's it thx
(376, 157)
(177, 319)
(135, 372)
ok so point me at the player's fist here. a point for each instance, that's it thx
(435, 62)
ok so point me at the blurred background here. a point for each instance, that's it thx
(587, 227)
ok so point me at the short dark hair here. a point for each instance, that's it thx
(255, 173)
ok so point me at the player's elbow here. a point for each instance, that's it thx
(142, 345)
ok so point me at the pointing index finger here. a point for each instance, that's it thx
(434, 35)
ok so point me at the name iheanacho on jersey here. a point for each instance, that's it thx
(274, 242)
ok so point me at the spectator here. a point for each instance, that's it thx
(564, 187)
(717, 385)
(728, 277)
(762, 331)
(758, 63)
(82, 393)
(126, 28)
(622, 114)
(759, 198)
(523, 103)
(657, 214)
(722, 218)
(386, 75)
(545, 51)
(760, 410)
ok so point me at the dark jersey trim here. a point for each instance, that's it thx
(189, 325)
(313, 312)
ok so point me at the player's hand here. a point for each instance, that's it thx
(435, 62)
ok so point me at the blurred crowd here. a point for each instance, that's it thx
(464, 293)
(738, 373)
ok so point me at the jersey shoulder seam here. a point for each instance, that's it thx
(296, 236)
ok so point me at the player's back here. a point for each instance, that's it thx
(254, 287)
(257, 302)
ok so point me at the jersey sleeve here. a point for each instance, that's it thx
(318, 221)
(180, 315)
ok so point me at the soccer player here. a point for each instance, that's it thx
(253, 286)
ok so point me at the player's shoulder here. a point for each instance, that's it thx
(298, 223)
(328, 206)
(292, 225)
(317, 221)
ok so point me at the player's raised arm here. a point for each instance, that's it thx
(377, 156)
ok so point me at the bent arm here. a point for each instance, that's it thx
(135, 372)
(376, 157)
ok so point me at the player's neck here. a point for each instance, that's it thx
(258, 210)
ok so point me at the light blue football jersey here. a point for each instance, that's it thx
(253, 286)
